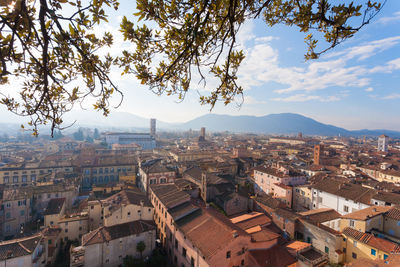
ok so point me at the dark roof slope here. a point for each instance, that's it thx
(131, 196)
(19, 247)
(169, 194)
(276, 256)
(54, 206)
(108, 233)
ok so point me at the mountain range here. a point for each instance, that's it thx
(283, 123)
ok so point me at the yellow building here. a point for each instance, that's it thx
(366, 219)
(302, 197)
(359, 245)
(129, 177)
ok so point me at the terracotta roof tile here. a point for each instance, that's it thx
(108, 233)
(372, 241)
(394, 213)
(367, 213)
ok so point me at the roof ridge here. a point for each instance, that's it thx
(93, 235)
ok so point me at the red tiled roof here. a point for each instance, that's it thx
(276, 256)
(366, 213)
(394, 213)
(372, 241)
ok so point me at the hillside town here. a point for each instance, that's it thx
(200, 199)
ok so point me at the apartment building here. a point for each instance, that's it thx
(124, 206)
(343, 197)
(357, 245)
(24, 174)
(109, 245)
(155, 172)
(277, 182)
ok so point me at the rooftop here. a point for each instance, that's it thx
(365, 214)
(54, 206)
(108, 233)
(371, 240)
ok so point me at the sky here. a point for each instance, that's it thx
(356, 85)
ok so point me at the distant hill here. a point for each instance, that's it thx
(284, 123)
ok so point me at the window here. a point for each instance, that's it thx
(49, 241)
(129, 213)
(191, 262)
(354, 255)
(22, 212)
(6, 179)
(319, 199)
(242, 263)
(228, 254)
(176, 244)
(344, 250)
(15, 179)
(373, 252)
(346, 208)
(66, 230)
(351, 223)
(385, 256)
(326, 249)
(184, 252)
(355, 244)
(8, 215)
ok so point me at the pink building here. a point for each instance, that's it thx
(283, 192)
(265, 178)
(277, 182)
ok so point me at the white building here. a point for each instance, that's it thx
(108, 246)
(145, 140)
(342, 197)
(383, 141)
(23, 252)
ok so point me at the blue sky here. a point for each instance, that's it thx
(355, 86)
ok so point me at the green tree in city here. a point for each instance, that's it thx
(51, 44)
(140, 247)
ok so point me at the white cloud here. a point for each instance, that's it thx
(266, 39)
(393, 18)
(392, 96)
(389, 67)
(249, 100)
(369, 89)
(305, 98)
(366, 50)
(334, 70)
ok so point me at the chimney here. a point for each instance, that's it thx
(235, 234)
